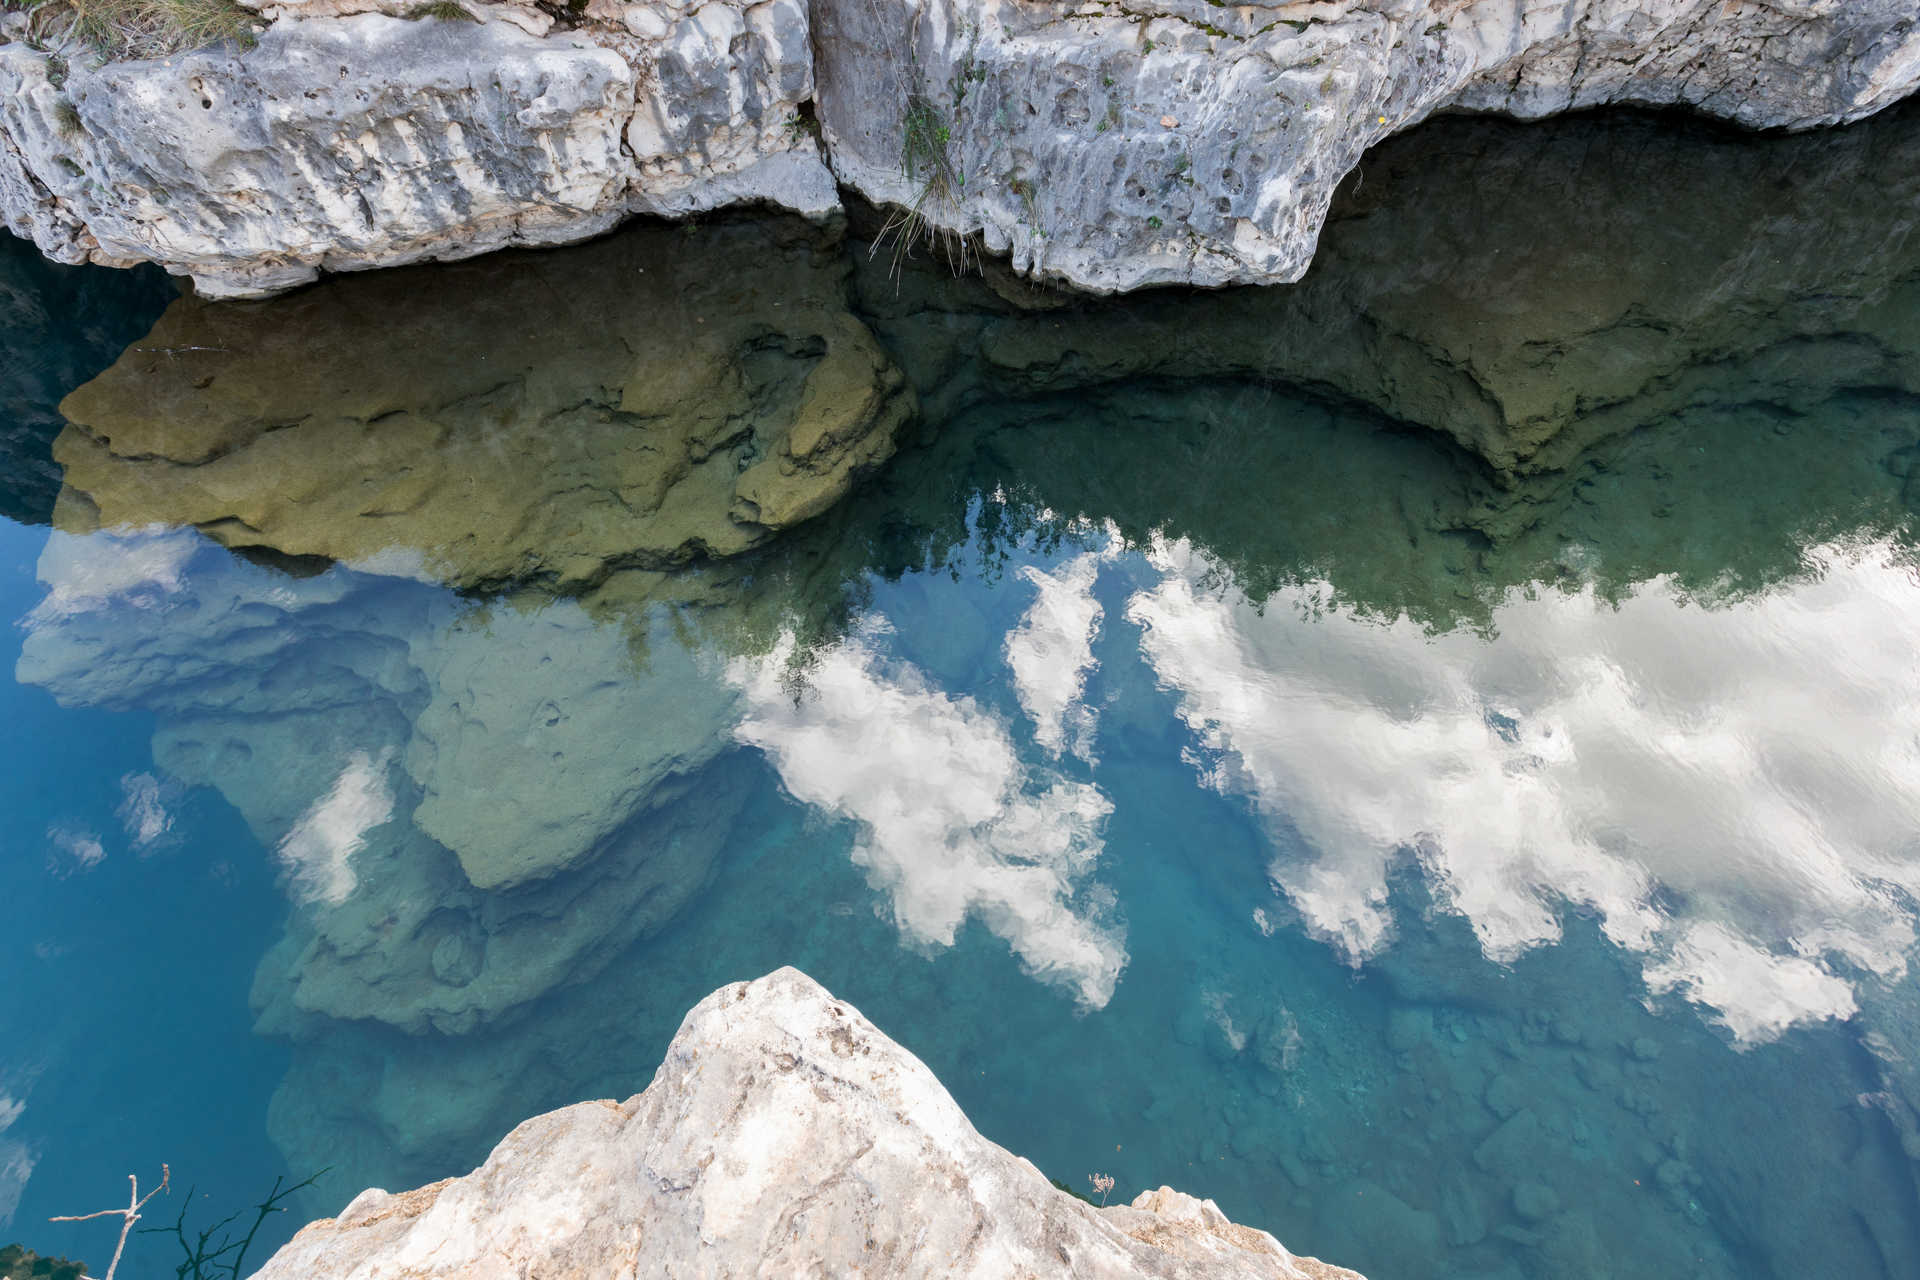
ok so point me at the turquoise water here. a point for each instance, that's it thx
(1218, 774)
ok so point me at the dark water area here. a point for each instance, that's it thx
(1424, 757)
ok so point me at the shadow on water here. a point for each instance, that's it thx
(502, 678)
(63, 325)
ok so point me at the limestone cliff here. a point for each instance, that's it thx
(1110, 144)
(783, 1135)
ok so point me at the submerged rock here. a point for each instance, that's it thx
(783, 1134)
(580, 420)
(1108, 146)
(525, 753)
(422, 949)
(658, 396)
(1528, 291)
(456, 843)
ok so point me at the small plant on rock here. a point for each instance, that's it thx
(926, 155)
(141, 28)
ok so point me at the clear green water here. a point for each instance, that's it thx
(1217, 774)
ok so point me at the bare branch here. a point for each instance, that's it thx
(129, 1215)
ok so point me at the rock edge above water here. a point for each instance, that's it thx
(783, 1135)
(1110, 145)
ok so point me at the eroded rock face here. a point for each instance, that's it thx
(371, 140)
(784, 1134)
(661, 395)
(1120, 145)
(1528, 291)
(1106, 145)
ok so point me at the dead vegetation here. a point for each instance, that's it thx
(117, 29)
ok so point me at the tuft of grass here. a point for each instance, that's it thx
(444, 10)
(66, 118)
(926, 155)
(147, 28)
(803, 123)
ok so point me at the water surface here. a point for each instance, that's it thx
(1425, 758)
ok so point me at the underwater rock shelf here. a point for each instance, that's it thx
(1419, 756)
(783, 1135)
(1107, 145)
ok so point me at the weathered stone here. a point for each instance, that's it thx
(1111, 146)
(661, 395)
(370, 140)
(1120, 145)
(784, 1134)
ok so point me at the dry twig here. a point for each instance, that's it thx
(129, 1215)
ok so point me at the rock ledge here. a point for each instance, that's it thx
(1107, 144)
(783, 1135)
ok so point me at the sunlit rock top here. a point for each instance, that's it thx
(783, 1135)
(1110, 146)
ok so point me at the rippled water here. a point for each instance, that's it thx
(1218, 774)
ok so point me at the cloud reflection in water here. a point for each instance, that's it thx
(1732, 790)
(951, 821)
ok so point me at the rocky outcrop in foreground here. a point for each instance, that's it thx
(783, 1135)
(1110, 144)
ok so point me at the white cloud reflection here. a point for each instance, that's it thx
(76, 848)
(16, 1161)
(951, 823)
(1051, 652)
(142, 567)
(143, 811)
(319, 850)
(1754, 766)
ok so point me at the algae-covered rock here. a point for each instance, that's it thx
(655, 397)
(1645, 377)
(1528, 291)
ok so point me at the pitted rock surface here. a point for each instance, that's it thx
(1108, 144)
(783, 1135)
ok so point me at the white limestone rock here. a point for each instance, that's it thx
(368, 140)
(783, 1135)
(1116, 144)
(1110, 144)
